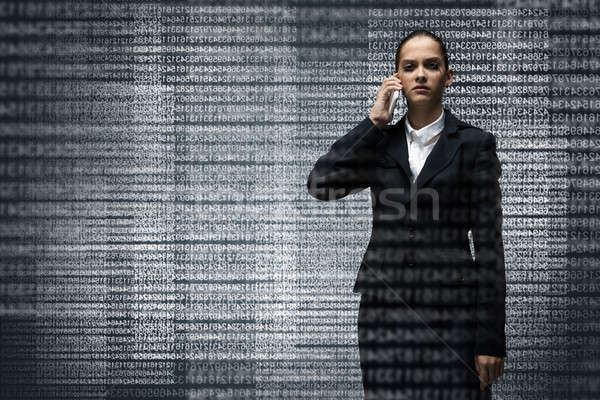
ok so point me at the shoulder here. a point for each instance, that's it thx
(474, 137)
(479, 146)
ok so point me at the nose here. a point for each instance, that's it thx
(421, 74)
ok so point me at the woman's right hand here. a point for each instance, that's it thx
(380, 114)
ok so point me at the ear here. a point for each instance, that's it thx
(449, 77)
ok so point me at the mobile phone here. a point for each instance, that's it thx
(395, 96)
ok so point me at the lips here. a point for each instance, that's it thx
(420, 88)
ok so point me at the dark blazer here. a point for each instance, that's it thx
(419, 248)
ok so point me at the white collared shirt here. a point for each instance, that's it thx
(420, 143)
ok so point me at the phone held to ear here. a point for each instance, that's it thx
(395, 96)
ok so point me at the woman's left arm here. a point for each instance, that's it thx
(486, 198)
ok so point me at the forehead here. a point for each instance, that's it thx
(420, 47)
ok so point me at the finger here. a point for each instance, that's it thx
(384, 92)
(498, 369)
(390, 88)
(491, 373)
(484, 374)
(479, 373)
(395, 79)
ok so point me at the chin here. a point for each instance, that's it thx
(421, 100)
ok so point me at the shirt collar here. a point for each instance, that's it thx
(425, 134)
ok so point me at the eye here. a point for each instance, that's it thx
(434, 65)
(408, 67)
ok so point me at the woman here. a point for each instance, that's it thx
(431, 319)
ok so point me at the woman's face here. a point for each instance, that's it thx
(422, 65)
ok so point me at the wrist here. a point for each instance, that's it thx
(377, 123)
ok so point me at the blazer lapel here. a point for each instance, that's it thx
(442, 153)
(397, 146)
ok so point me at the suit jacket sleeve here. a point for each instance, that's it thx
(347, 166)
(489, 250)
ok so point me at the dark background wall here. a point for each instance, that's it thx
(156, 236)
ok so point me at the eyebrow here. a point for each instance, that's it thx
(427, 59)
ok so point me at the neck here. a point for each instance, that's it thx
(420, 116)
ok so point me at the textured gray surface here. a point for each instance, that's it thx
(157, 238)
